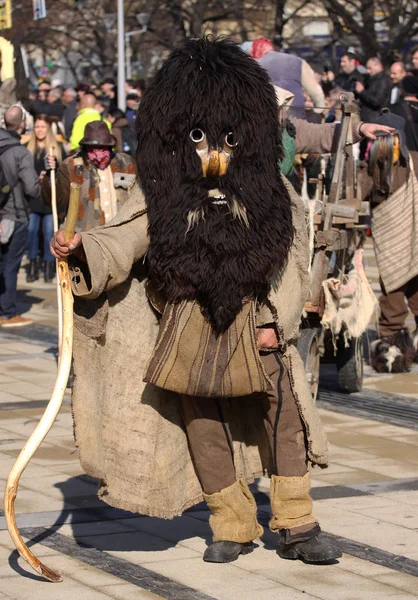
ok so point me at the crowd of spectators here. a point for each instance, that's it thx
(57, 117)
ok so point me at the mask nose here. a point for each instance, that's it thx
(214, 163)
(218, 163)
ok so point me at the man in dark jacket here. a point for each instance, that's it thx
(40, 106)
(376, 95)
(347, 79)
(16, 163)
(56, 107)
(69, 99)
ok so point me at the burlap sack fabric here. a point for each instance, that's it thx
(395, 235)
(129, 433)
(190, 359)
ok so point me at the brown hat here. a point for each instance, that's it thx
(97, 133)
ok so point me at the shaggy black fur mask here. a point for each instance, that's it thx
(225, 250)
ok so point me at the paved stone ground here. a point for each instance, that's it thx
(367, 500)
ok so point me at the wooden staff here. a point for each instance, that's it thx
(55, 220)
(54, 405)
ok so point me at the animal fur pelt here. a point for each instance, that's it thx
(393, 354)
(219, 253)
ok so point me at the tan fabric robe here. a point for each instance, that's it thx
(130, 434)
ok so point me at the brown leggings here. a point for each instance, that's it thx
(393, 308)
(210, 439)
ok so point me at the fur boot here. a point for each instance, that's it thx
(393, 354)
(291, 504)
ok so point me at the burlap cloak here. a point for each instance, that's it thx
(129, 434)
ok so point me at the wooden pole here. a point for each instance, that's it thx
(55, 220)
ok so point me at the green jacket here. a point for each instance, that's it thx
(84, 116)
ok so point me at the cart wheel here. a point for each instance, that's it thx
(308, 348)
(350, 365)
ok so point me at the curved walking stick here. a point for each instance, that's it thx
(54, 405)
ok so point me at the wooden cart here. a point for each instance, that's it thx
(338, 232)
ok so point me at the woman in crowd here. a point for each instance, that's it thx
(40, 218)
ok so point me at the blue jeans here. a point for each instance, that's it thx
(10, 259)
(35, 220)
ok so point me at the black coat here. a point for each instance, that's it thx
(375, 97)
(347, 81)
(70, 113)
(409, 111)
(38, 205)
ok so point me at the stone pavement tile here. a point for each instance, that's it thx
(20, 388)
(404, 497)
(22, 588)
(316, 483)
(356, 440)
(72, 469)
(128, 591)
(5, 350)
(8, 397)
(367, 530)
(359, 503)
(47, 453)
(29, 501)
(95, 578)
(44, 384)
(78, 530)
(32, 470)
(335, 419)
(58, 485)
(407, 439)
(16, 415)
(361, 567)
(402, 581)
(327, 582)
(6, 379)
(334, 467)
(384, 430)
(375, 429)
(338, 452)
(30, 365)
(26, 348)
(224, 582)
(386, 467)
(140, 547)
(58, 431)
(347, 477)
(403, 515)
(178, 530)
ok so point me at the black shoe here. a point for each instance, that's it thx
(315, 549)
(224, 552)
(49, 272)
(32, 274)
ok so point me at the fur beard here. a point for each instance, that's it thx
(393, 354)
(219, 254)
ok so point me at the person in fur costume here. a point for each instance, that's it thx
(186, 383)
(390, 183)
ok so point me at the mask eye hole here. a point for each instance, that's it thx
(197, 135)
(231, 140)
